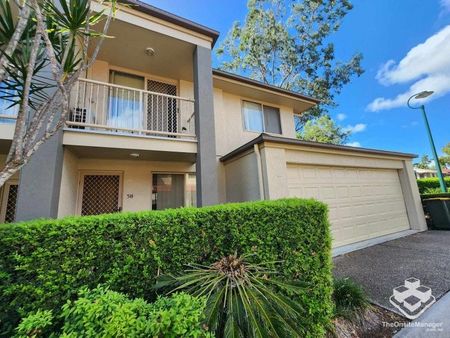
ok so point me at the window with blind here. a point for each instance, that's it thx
(261, 118)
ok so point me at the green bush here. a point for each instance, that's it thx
(105, 313)
(349, 298)
(430, 184)
(437, 195)
(44, 262)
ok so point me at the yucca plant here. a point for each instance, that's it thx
(243, 299)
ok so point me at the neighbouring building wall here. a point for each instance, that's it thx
(136, 180)
(242, 182)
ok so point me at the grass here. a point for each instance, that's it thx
(349, 298)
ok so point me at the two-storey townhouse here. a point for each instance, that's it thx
(153, 126)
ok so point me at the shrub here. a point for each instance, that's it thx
(44, 262)
(349, 298)
(105, 313)
(431, 184)
(243, 299)
(37, 324)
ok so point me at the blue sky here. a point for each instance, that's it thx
(382, 30)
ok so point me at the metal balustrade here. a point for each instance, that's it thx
(97, 105)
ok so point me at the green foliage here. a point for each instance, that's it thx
(35, 325)
(68, 22)
(44, 262)
(444, 160)
(323, 129)
(429, 185)
(105, 313)
(424, 162)
(435, 195)
(243, 298)
(287, 43)
(349, 298)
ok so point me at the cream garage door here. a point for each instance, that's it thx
(363, 203)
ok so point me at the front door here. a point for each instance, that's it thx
(101, 193)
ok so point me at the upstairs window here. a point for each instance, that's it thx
(261, 118)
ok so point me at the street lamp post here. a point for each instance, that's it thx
(423, 95)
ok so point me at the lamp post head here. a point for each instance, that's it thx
(423, 94)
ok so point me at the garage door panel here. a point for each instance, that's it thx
(363, 203)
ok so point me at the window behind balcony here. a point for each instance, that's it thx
(261, 118)
(126, 105)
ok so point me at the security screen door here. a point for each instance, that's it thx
(101, 194)
(8, 204)
(162, 110)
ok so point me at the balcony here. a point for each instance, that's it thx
(99, 106)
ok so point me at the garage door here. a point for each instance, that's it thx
(363, 203)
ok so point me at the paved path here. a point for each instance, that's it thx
(382, 267)
(437, 315)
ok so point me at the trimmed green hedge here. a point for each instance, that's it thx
(44, 263)
(431, 183)
(440, 195)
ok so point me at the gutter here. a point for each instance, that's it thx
(290, 141)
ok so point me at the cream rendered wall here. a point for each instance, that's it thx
(136, 180)
(242, 179)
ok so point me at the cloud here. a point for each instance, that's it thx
(354, 144)
(445, 5)
(342, 117)
(357, 128)
(428, 64)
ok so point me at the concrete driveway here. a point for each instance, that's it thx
(382, 267)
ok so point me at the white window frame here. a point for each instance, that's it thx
(261, 104)
(83, 173)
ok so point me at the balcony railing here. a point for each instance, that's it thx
(97, 105)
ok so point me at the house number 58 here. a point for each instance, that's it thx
(130, 196)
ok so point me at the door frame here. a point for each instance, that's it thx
(4, 195)
(83, 173)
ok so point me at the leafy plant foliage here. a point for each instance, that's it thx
(243, 300)
(44, 262)
(431, 184)
(105, 313)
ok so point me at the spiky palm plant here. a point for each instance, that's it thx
(244, 299)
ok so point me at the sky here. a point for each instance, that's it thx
(406, 49)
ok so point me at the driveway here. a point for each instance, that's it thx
(382, 267)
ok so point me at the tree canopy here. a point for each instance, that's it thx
(287, 43)
(323, 129)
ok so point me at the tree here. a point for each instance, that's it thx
(42, 54)
(323, 129)
(287, 43)
(424, 163)
(444, 160)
